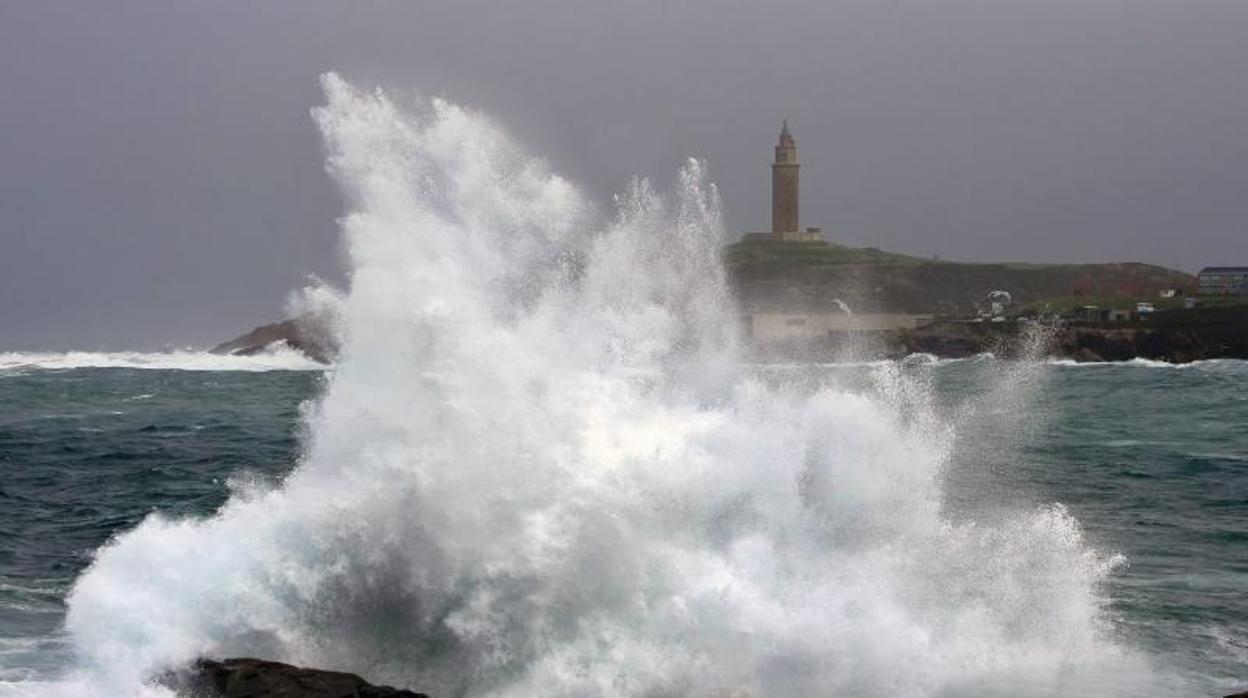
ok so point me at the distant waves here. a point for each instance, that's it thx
(277, 359)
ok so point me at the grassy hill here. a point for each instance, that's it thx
(804, 254)
(809, 276)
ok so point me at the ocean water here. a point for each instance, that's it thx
(1150, 459)
(89, 451)
(540, 468)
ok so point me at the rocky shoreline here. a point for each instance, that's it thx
(1174, 337)
(245, 677)
(308, 334)
(1220, 333)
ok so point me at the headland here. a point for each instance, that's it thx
(803, 296)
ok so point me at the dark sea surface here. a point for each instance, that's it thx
(1151, 459)
(88, 452)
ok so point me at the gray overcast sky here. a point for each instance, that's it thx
(161, 181)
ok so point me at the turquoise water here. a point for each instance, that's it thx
(1151, 459)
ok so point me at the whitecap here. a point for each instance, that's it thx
(276, 359)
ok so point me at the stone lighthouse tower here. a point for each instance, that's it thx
(784, 221)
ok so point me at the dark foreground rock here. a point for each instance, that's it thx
(257, 678)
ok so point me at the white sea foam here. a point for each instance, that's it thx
(538, 470)
(278, 358)
(1138, 362)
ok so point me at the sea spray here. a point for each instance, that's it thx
(537, 469)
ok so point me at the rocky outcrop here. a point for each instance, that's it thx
(1174, 336)
(257, 678)
(309, 334)
(1158, 342)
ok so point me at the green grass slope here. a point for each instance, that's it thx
(806, 276)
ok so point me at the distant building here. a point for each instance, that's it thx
(1224, 281)
(784, 197)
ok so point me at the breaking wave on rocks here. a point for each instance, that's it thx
(538, 469)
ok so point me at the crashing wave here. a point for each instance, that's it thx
(538, 469)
